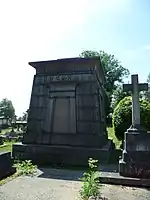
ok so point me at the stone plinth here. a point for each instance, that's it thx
(135, 161)
(61, 155)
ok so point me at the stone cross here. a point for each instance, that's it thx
(135, 87)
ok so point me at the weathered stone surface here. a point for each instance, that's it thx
(6, 168)
(66, 108)
(60, 155)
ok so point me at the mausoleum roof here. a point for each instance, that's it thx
(76, 61)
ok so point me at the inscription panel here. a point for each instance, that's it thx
(64, 78)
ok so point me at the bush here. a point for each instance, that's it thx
(25, 167)
(90, 187)
(122, 116)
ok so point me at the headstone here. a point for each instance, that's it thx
(135, 161)
(66, 117)
(6, 165)
(1, 140)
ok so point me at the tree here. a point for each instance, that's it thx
(118, 95)
(146, 94)
(114, 72)
(7, 109)
(25, 115)
(148, 78)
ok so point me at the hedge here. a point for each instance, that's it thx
(122, 116)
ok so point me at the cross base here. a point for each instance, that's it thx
(134, 170)
(135, 160)
(136, 128)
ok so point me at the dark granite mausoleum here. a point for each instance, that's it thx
(66, 118)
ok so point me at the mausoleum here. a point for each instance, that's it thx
(66, 118)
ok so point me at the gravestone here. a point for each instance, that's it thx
(6, 165)
(1, 140)
(135, 161)
(66, 117)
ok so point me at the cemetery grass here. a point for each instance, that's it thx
(3, 131)
(6, 147)
(111, 136)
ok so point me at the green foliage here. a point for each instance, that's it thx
(111, 136)
(118, 95)
(25, 167)
(122, 116)
(146, 94)
(148, 78)
(114, 71)
(7, 109)
(90, 181)
(6, 147)
(25, 115)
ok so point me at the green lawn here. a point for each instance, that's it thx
(111, 135)
(3, 131)
(6, 147)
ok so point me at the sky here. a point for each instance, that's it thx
(35, 30)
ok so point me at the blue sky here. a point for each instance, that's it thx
(33, 30)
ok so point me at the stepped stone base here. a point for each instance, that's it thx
(135, 160)
(60, 155)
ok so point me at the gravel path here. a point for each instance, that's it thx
(26, 188)
(57, 185)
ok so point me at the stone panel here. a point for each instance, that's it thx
(88, 127)
(72, 116)
(32, 125)
(48, 119)
(62, 115)
(39, 90)
(86, 88)
(34, 101)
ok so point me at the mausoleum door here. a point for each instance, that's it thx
(61, 116)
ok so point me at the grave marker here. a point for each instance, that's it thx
(135, 87)
(136, 152)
